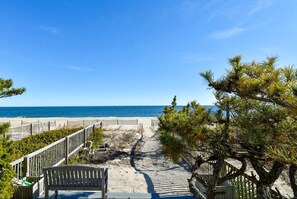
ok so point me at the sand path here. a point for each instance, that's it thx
(162, 176)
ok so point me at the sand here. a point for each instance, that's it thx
(151, 172)
(124, 178)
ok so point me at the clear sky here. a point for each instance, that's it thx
(135, 52)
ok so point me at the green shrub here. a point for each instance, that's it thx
(96, 138)
(79, 158)
(6, 171)
(32, 143)
(6, 176)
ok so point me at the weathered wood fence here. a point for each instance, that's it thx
(154, 124)
(104, 122)
(53, 154)
(245, 185)
(27, 129)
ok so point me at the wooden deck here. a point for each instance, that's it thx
(97, 195)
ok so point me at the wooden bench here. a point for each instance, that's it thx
(84, 178)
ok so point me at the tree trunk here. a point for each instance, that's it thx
(211, 185)
(193, 188)
(210, 192)
(266, 179)
(292, 174)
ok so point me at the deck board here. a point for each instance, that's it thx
(112, 195)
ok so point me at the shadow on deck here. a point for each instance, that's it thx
(112, 195)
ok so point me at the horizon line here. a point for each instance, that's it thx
(92, 106)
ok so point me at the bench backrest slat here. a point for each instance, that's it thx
(74, 176)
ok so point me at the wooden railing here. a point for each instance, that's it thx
(245, 185)
(53, 154)
(223, 191)
(18, 167)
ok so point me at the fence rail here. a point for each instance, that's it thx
(25, 130)
(53, 154)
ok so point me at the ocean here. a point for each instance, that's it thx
(84, 111)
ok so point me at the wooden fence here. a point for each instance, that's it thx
(27, 129)
(223, 191)
(104, 122)
(245, 185)
(53, 154)
(154, 123)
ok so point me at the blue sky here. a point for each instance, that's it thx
(132, 52)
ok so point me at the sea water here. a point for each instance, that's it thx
(84, 111)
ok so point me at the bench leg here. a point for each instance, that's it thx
(56, 193)
(46, 193)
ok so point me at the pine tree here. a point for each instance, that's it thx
(255, 122)
(6, 171)
(265, 116)
(202, 136)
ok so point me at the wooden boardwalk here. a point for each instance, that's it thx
(163, 177)
(97, 195)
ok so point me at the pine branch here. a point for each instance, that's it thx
(230, 175)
